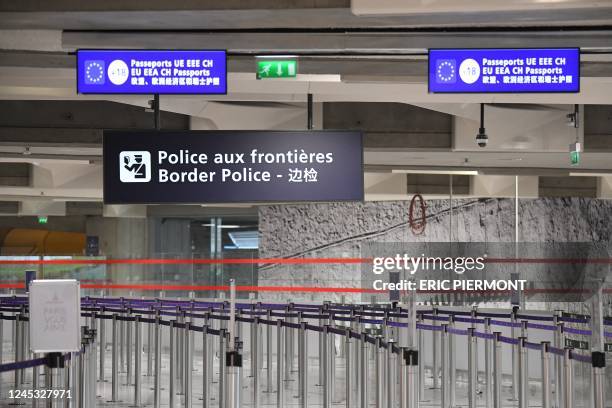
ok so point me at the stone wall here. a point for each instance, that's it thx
(339, 229)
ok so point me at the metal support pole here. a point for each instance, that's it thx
(380, 356)
(488, 364)
(523, 371)
(391, 375)
(321, 348)
(137, 363)
(309, 103)
(598, 367)
(568, 379)
(435, 351)
(206, 374)
(363, 360)
(546, 395)
(150, 341)
(172, 379)
(303, 366)
(471, 368)
(255, 361)
(156, 112)
(559, 342)
(187, 366)
(444, 391)
(115, 361)
(222, 367)
(102, 366)
(280, 361)
(157, 372)
(348, 389)
(409, 359)
(513, 321)
(128, 346)
(269, 353)
(452, 362)
(421, 345)
(233, 362)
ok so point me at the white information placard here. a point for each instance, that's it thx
(55, 312)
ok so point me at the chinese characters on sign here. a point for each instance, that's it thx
(232, 166)
(504, 70)
(151, 72)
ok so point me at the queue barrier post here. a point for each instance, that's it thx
(472, 359)
(303, 365)
(568, 378)
(187, 366)
(138, 362)
(444, 391)
(523, 371)
(363, 372)
(598, 367)
(172, 379)
(280, 362)
(546, 388)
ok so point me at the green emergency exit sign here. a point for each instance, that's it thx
(274, 68)
(575, 158)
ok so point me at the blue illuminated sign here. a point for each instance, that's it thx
(504, 70)
(151, 72)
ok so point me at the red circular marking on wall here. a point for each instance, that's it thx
(417, 225)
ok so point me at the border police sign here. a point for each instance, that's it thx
(232, 166)
(504, 70)
(151, 72)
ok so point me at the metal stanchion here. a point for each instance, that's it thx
(206, 374)
(391, 375)
(122, 342)
(452, 362)
(269, 353)
(102, 356)
(380, 356)
(255, 360)
(471, 368)
(421, 345)
(568, 379)
(559, 342)
(150, 341)
(546, 395)
(233, 361)
(114, 361)
(363, 370)
(488, 364)
(157, 372)
(254, 350)
(288, 348)
(187, 366)
(513, 321)
(67, 380)
(331, 364)
(222, 366)
(324, 361)
(523, 372)
(435, 352)
(444, 391)
(409, 359)
(137, 362)
(303, 365)
(348, 368)
(321, 348)
(598, 367)
(128, 348)
(172, 379)
(280, 361)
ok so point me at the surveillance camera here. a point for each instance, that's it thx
(481, 138)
